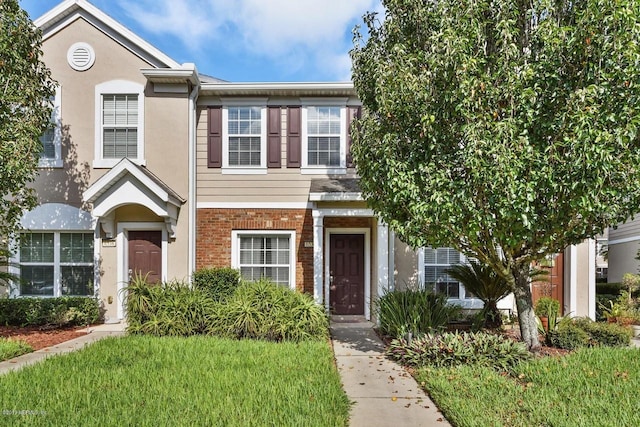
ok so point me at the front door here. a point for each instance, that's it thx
(553, 284)
(346, 281)
(145, 255)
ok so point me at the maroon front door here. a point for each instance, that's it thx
(346, 265)
(145, 255)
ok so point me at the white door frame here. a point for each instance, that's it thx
(366, 232)
(123, 255)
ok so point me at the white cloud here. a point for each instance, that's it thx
(292, 33)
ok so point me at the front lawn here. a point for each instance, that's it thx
(591, 387)
(196, 381)
(11, 348)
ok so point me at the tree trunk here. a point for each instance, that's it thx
(524, 303)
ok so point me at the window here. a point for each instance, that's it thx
(244, 138)
(119, 126)
(54, 264)
(265, 254)
(244, 126)
(436, 262)
(324, 137)
(51, 155)
(119, 123)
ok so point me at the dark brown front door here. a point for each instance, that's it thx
(346, 264)
(553, 285)
(145, 255)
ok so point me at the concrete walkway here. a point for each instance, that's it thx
(382, 392)
(94, 334)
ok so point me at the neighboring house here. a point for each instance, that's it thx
(155, 169)
(622, 250)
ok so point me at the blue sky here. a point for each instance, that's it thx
(244, 40)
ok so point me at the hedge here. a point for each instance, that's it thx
(59, 311)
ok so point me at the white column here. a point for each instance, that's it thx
(382, 255)
(392, 263)
(592, 278)
(318, 261)
(572, 257)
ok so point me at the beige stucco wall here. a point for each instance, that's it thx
(166, 131)
(405, 265)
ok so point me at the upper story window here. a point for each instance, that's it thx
(244, 130)
(119, 123)
(324, 136)
(244, 135)
(434, 263)
(51, 155)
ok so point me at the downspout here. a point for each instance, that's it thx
(191, 259)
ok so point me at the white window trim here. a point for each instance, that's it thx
(461, 300)
(235, 248)
(57, 264)
(307, 169)
(244, 170)
(56, 119)
(122, 245)
(117, 87)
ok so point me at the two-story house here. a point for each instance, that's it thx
(155, 169)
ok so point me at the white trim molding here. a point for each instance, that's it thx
(366, 232)
(117, 87)
(235, 248)
(321, 256)
(122, 246)
(254, 205)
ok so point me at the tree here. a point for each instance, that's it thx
(505, 129)
(25, 113)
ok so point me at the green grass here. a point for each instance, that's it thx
(591, 387)
(10, 348)
(196, 381)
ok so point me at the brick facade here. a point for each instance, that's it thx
(214, 227)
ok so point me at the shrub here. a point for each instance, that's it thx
(59, 311)
(453, 349)
(605, 334)
(568, 336)
(609, 288)
(172, 309)
(265, 310)
(416, 311)
(484, 283)
(218, 282)
(547, 307)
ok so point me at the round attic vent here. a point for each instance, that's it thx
(81, 56)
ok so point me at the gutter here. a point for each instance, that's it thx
(191, 259)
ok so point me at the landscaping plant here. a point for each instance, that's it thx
(265, 310)
(484, 283)
(58, 311)
(413, 310)
(218, 282)
(454, 349)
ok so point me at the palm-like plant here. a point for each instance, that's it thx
(484, 283)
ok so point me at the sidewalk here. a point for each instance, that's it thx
(95, 333)
(383, 393)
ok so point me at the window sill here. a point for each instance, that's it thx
(109, 163)
(310, 170)
(50, 163)
(229, 170)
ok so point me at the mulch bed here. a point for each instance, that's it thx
(41, 337)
